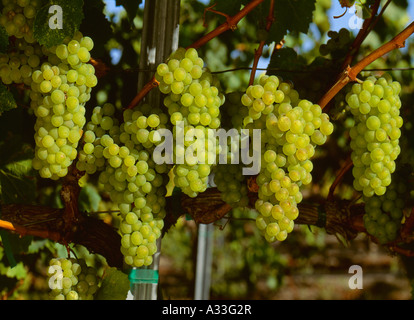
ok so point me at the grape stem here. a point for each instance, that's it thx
(210, 9)
(258, 52)
(346, 166)
(350, 73)
(230, 24)
(362, 34)
(408, 226)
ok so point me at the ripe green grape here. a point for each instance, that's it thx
(58, 101)
(128, 172)
(72, 279)
(193, 99)
(375, 136)
(291, 130)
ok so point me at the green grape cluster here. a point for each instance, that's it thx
(291, 129)
(233, 111)
(193, 99)
(383, 214)
(17, 65)
(100, 140)
(60, 89)
(375, 106)
(232, 184)
(59, 80)
(72, 279)
(338, 42)
(228, 177)
(123, 154)
(17, 18)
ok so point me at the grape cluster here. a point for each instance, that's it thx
(229, 178)
(101, 134)
(232, 184)
(383, 214)
(17, 18)
(123, 154)
(193, 101)
(71, 279)
(17, 65)
(59, 81)
(337, 44)
(375, 106)
(61, 88)
(291, 128)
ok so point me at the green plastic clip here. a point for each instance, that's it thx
(143, 276)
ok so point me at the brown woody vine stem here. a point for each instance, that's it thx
(350, 74)
(48, 223)
(230, 24)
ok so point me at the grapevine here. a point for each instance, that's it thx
(96, 164)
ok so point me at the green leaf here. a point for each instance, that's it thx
(285, 59)
(96, 25)
(115, 285)
(18, 272)
(4, 40)
(4, 236)
(16, 188)
(37, 245)
(89, 199)
(131, 7)
(293, 16)
(7, 101)
(230, 7)
(72, 16)
(20, 168)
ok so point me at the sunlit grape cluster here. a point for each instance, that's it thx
(375, 105)
(60, 89)
(71, 279)
(59, 80)
(123, 155)
(193, 99)
(291, 129)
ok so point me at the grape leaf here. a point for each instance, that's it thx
(96, 25)
(89, 199)
(230, 7)
(72, 16)
(285, 58)
(4, 237)
(131, 7)
(16, 188)
(291, 15)
(115, 285)
(7, 101)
